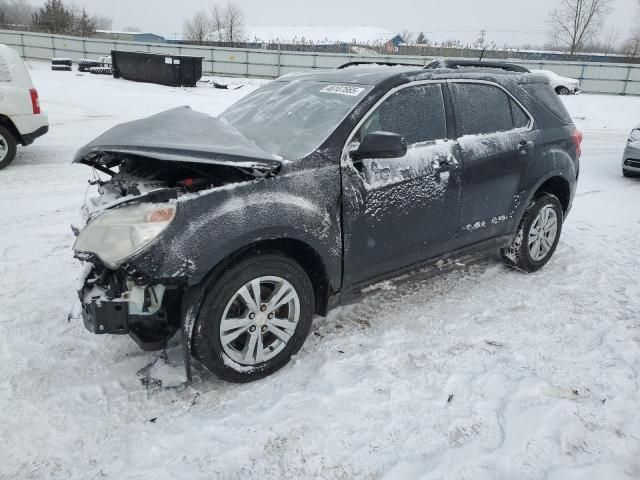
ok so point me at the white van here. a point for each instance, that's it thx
(21, 120)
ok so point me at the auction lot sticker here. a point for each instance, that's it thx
(343, 90)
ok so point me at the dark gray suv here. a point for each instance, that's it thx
(236, 230)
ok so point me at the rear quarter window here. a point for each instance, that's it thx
(544, 94)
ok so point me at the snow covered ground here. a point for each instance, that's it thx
(478, 373)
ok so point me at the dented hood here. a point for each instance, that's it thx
(178, 135)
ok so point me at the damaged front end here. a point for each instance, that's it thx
(122, 302)
(149, 167)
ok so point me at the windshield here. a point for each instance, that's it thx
(292, 119)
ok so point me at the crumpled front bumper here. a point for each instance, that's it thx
(113, 304)
(105, 316)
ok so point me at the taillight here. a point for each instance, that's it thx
(577, 141)
(35, 102)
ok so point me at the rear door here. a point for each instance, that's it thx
(497, 142)
(398, 211)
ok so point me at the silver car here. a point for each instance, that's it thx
(631, 157)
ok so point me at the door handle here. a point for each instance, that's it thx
(441, 165)
(526, 146)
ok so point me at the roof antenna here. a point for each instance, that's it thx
(482, 54)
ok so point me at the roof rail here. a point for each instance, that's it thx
(387, 64)
(456, 64)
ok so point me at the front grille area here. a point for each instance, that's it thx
(632, 163)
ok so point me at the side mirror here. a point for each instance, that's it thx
(380, 145)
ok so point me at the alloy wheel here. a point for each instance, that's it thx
(259, 320)
(542, 234)
(4, 148)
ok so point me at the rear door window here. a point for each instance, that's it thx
(481, 109)
(417, 113)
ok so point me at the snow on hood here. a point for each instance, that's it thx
(180, 135)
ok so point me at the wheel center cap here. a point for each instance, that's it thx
(261, 319)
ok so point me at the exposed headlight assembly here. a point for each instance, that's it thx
(120, 233)
(634, 136)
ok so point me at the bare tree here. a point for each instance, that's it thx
(451, 43)
(197, 28)
(631, 46)
(609, 42)
(15, 12)
(233, 23)
(575, 22)
(217, 22)
(227, 23)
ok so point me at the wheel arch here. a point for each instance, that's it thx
(301, 252)
(308, 258)
(9, 125)
(558, 186)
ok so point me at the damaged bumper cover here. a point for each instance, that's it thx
(115, 302)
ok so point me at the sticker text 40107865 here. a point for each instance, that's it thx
(343, 90)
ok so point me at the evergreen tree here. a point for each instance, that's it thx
(54, 17)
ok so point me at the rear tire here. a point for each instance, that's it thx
(8, 147)
(239, 359)
(541, 226)
(629, 174)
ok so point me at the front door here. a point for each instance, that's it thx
(398, 211)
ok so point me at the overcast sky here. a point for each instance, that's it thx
(506, 21)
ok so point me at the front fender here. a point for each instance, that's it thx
(211, 226)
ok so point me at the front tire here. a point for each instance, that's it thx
(253, 318)
(629, 174)
(538, 235)
(7, 147)
(563, 91)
